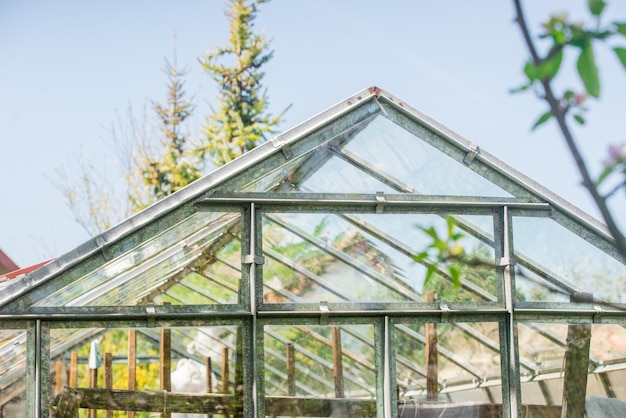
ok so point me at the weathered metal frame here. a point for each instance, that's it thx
(215, 192)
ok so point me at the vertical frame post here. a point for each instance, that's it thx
(511, 390)
(32, 370)
(43, 330)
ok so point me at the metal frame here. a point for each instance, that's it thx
(291, 158)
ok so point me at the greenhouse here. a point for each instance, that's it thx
(366, 263)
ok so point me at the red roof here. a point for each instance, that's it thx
(25, 270)
(6, 263)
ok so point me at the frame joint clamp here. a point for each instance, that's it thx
(104, 248)
(259, 260)
(471, 153)
(380, 198)
(151, 315)
(597, 316)
(324, 312)
(445, 310)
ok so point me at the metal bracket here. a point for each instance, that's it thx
(504, 262)
(597, 316)
(471, 154)
(104, 248)
(151, 313)
(445, 310)
(380, 198)
(324, 312)
(287, 152)
(382, 109)
(259, 260)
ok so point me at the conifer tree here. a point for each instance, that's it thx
(241, 120)
(172, 165)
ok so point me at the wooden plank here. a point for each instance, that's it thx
(432, 366)
(337, 362)
(108, 378)
(576, 364)
(73, 368)
(209, 374)
(151, 401)
(68, 402)
(225, 371)
(291, 369)
(165, 360)
(93, 383)
(132, 364)
(58, 375)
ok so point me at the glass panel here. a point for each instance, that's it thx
(394, 151)
(320, 371)
(337, 176)
(161, 266)
(12, 373)
(370, 258)
(554, 261)
(583, 364)
(203, 360)
(447, 367)
(278, 179)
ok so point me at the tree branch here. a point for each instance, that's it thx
(559, 114)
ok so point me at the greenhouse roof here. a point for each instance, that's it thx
(345, 216)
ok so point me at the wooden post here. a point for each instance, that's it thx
(225, 383)
(238, 389)
(132, 364)
(58, 375)
(73, 368)
(432, 366)
(337, 362)
(93, 383)
(209, 374)
(165, 357)
(93, 363)
(291, 369)
(108, 378)
(576, 364)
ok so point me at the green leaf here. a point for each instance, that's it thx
(531, 71)
(621, 54)
(596, 7)
(548, 68)
(551, 66)
(432, 232)
(430, 270)
(542, 119)
(621, 28)
(588, 71)
(607, 172)
(420, 257)
(455, 274)
(520, 88)
(579, 119)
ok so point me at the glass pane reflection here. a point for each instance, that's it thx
(205, 361)
(12, 373)
(554, 262)
(447, 367)
(371, 258)
(582, 365)
(320, 371)
(142, 274)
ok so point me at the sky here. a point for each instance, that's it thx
(69, 69)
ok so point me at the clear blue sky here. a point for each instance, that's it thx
(68, 67)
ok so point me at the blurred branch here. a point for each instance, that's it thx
(559, 113)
